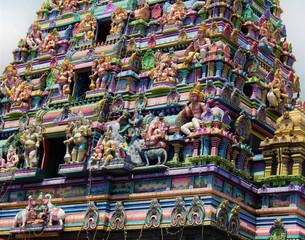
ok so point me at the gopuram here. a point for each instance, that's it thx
(152, 120)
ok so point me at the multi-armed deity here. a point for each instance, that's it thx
(193, 111)
(175, 15)
(49, 43)
(267, 40)
(118, 18)
(31, 139)
(78, 135)
(64, 77)
(165, 74)
(277, 90)
(101, 72)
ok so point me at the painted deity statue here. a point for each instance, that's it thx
(78, 135)
(69, 5)
(105, 149)
(266, 31)
(166, 71)
(31, 139)
(87, 26)
(10, 80)
(155, 134)
(201, 44)
(101, 68)
(277, 89)
(118, 18)
(49, 44)
(193, 111)
(35, 37)
(20, 95)
(12, 159)
(64, 77)
(175, 15)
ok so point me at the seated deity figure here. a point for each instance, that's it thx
(35, 37)
(64, 77)
(12, 159)
(78, 135)
(155, 134)
(277, 88)
(49, 44)
(69, 5)
(10, 80)
(266, 33)
(166, 71)
(201, 44)
(175, 15)
(194, 110)
(31, 139)
(21, 94)
(118, 18)
(87, 26)
(101, 69)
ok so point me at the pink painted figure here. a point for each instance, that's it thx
(118, 18)
(98, 151)
(35, 37)
(176, 14)
(193, 111)
(64, 77)
(20, 95)
(155, 133)
(49, 44)
(109, 148)
(12, 158)
(266, 33)
(69, 5)
(101, 69)
(201, 43)
(278, 85)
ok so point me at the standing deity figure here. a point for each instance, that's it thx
(277, 89)
(31, 139)
(64, 77)
(12, 159)
(101, 72)
(35, 36)
(201, 44)
(118, 18)
(78, 135)
(175, 15)
(9, 80)
(194, 110)
(109, 148)
(87, 26)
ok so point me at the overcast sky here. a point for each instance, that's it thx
(16, 17)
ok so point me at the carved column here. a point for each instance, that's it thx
(283, 159)
(196, 147)
(215, 141)
(297, 158)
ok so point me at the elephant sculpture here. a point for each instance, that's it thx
(22, 216)
(155, 154)
(55, 214)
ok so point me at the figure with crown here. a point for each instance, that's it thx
(101, 72)
(35, 37)
(193, 111)
(118, 18)
(64, 77)
(78, 135)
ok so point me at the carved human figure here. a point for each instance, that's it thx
(201, 44)
(9, 80)
(69, 5)
(64, 77)
(194, 111)
(101, 71)
(266, 33)
(118, 18)
(78, 135)
(2, 162)
(35, 37)
(166, 71)
(31, 139)
(48, 45)
(176, 14)
(109, 148)
(98, 151)
(20, 95)
(12, 159)
(87, 26)
(278, 85)
(155, 134)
